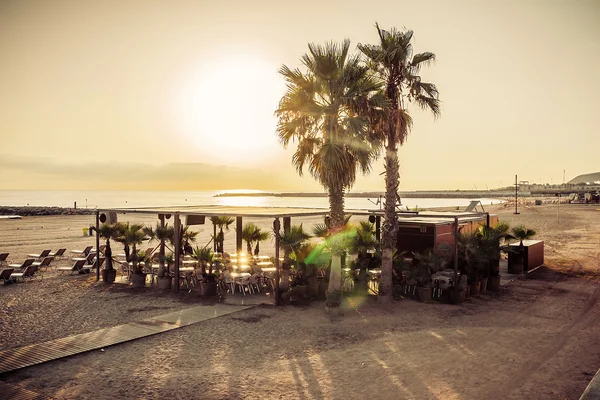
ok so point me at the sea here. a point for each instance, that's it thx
(126, 199)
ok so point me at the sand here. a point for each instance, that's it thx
(534, 340)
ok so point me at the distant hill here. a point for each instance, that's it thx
(586, 178)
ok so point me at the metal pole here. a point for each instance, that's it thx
(177, 249)
(276, 226)
(239, 226)
(97, 246)
(558, 210)
(455, 250)
(516, 195)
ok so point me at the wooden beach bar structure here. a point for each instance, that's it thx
(418, 230)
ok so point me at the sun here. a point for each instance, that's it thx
(226, 110)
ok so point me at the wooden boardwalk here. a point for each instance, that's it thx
(13, 359)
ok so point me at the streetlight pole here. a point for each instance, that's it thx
(516, 195)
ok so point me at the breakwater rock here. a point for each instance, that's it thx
(29, 211)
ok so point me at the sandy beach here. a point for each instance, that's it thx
(536, 339)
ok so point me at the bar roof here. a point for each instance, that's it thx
(428, 217)
(233, 211)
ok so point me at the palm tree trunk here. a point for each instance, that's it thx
(108, 255)
(336, 205)
(390, 224)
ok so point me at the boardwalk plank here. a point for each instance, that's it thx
(13, 359)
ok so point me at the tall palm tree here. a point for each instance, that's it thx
(326, 110)
(163, 233)
(220, 222)
(249, 236)
(108, 231)
(131, 236)
(393, 61)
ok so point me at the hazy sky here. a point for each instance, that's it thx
(151, 94)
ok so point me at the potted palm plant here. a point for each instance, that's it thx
(219, 238)
(163, 234)
(516, 263)
(426, 264)
(491, 242)
(209, 282)
(469, 260)
(363, 244)
(291, 242)
(132, 235)
(108, 231)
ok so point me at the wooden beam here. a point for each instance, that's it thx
(238, 235)
(177, 249)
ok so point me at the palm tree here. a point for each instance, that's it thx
(108, 231)
(326, 110)
(220, 222)
(292, 243)
(521, 233)
(249, 236)
(163, 233)
(131, 236)
(392, 61)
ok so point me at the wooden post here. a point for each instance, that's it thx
(276, 227)
(516, 195)
(214, 238)
(177, 249)
(97, 246)
(378, 228)
(487, 219)
(238, 235)
(455, 250)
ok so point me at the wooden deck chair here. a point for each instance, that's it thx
(5, 275)
(3, 257)
(473, 206)
(26, 274)
(77, 267)
(89, 267)
(23, 265)
(40, 256)
(81, 253)
(60, 253)
(45, 263)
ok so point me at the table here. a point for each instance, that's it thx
(236, 275)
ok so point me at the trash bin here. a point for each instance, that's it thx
(85, 231)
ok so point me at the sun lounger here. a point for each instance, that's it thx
(23, 265)
(28, 273)
(60, 253)
(88, 268)
(3, 257)
(77, 267)
(45, 263)
(83, 252)
(5, 275)
(43, 254)
(89, 259)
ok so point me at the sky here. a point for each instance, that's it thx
(180, 95)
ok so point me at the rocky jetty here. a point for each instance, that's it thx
(29, 211)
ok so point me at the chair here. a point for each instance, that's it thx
(5, 275)
(27, 273)
(125, 269)
(45, 263)
(43, 254)
(23, 265)
(88, 268)
(244, 283)
(83, 252)
(229, 282)
(89, 259)
(255, 282)
(3, 257)
(60, 253)
(77, 267)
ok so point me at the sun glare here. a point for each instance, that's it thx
(226, 110)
